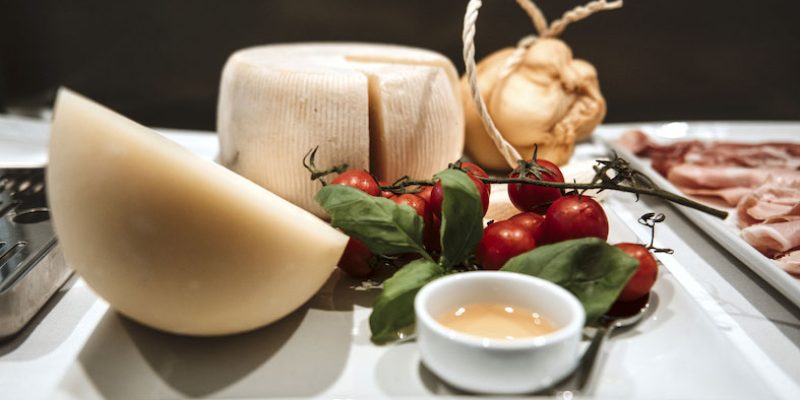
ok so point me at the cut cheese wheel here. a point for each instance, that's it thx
(393, 110)
(174, 241)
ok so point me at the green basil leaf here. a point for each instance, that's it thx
(594, 271)
(462, 217)
(385, 227)
(393, 313)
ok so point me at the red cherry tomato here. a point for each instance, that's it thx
(536, 198)
(501, 241)
(573, 217)
(358, 179)
(478, 172)
(531, 221)
(431, 235)
(642, 281)
(356, 259)
(385, 193)
(484, 190)
(417, 203)
(425, 193)
(432, 224)
(437, 195)
(474, 169)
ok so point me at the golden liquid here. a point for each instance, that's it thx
(497, 321)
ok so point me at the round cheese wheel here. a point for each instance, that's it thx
(393, 110)
(172, 240)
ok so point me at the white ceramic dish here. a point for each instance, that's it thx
(724, 232)
(498, 366)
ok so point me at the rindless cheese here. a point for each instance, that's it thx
(172, 240)
(391, 109)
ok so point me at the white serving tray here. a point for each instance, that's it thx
(725, 232)
(689, 348)
(323, 351)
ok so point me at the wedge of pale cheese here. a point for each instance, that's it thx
(391, 109)
(174, 241)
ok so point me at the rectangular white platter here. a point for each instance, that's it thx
(323, 351)
(725, 232)
(688, 348)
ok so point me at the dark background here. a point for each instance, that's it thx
(159, 62)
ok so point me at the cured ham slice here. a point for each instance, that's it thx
(773, 238)
(751, 155)
(767, 155)
(635, 141)
(718, 177)
(790, 262)
(662, 157)
(731, 196)
(774, 199)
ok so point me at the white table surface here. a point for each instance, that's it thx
(43, 360)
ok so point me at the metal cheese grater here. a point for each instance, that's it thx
(32, 266)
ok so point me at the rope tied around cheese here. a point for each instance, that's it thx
(554, 29)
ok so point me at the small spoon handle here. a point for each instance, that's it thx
(589, 358)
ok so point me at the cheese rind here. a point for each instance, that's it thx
(394, 110)
(174, 241)
(265, 134)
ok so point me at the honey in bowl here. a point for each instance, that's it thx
(497, 321)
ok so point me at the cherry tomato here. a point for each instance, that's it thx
(437, 194)
(627, 308)
(501, 241)
(425, 193)
(573, 217)
(417, 203)
(531, 221)
(431, 235)
(358, 179)
(432, 224)
(474, 169)
(642, 281)
(356, 259)
(535, 198)
(385, 193)
(478, 172)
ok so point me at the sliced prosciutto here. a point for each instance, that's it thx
(716, 153)
(773, 238)
(731, 196)
(790, 262)
(776, 198)
(662, 157)
(718, 177)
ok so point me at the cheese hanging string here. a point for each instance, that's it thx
(509, 153)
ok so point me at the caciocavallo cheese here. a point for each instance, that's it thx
(172, 240)
(391, 109)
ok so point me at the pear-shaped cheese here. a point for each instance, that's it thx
(174, 241)
(550, 99)
(391, 109)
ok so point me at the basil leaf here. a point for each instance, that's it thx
(393, 313)
(385, 227)
(594, 271)
(462, 217)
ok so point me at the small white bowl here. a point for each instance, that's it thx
(498, 366)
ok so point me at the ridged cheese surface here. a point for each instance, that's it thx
(393, 110)
(174, 241)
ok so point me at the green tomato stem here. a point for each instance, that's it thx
(671, 197)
